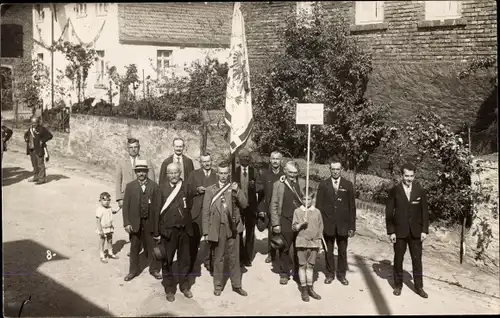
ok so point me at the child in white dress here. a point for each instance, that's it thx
(105, 229)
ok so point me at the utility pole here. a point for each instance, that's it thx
(52, 47)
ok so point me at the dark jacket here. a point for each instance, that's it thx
(404, 217)
(132, 204)
(253, 201)
(195, 199)
(6, 134)
(268, 178)
(188, 168)
(39, 141)
(338, 209)
(178, 210)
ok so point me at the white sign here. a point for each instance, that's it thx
(309, 114)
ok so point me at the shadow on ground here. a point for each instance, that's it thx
(13, 175)
(376, 293)
(48, 298)
(383, 269)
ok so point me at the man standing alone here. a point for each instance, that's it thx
(36, 138)
(407, 222)
(337, 202)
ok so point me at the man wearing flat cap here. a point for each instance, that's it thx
(142, 200)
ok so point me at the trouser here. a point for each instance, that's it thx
(195, 247)
(143, 237)
(227, 249)
(415, 245)
(342, 255)
(287, 261)
(249, 219)
(179, 241)
(38, 163)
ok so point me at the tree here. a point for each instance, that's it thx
(80, 61)
(30, 88)
(123, 82)
(320, 63)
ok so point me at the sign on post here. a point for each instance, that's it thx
(309, 114)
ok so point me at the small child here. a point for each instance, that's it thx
(105, 229)
(308, 222)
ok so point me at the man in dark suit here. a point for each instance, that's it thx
(337, 202)
(141, 202)
(196, 186)
(36, 138)
(247, 179)
(185, 163)
(269, 177)
(222, 227)
(173, 223)
(407, 221)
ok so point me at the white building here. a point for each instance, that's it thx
(159, 38)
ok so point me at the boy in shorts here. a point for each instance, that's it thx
(105, 229)
(308, 222)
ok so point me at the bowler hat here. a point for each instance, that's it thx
(141, 164)
(278, 242)
(159, 252)
(262, 222)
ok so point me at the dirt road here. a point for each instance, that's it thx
(57, 219)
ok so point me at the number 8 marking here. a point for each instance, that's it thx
(49, 255)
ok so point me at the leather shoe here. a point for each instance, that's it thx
(312, 293)
(397, 291)
(170, 297)
(240, 291)
(156, 275)
(268, 259)
(129, 277)
(422, 293)
(284, 280)
(329, 280)
(33, 180)
(344, 281)
(187, 293)
(217, 292)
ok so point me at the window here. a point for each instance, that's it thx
(39, 56)
(12, 40)
(369, 12)
(101, 9)
(39, 13)
(442, 10)
(163, 62)
(81, 10)
(305, 6)
(100, 69)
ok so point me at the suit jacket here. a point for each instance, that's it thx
(39, 141)
(132, 205)
(125, 174)
(338, 209)
(252, 191)
(195, 199)
(268, 178)
(404, 217)
(188, 168)
(162, 224)
(213, 215)
(276, 206)
(6, 134)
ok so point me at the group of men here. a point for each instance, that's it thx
(187, 207)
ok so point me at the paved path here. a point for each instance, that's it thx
(59, 217)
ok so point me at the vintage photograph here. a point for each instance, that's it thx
(284, 158)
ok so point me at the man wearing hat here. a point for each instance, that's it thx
(222, 227)
(196, 186)
(36, 138)
(141, 202)
(247, 180)
(185, 163)
(125, 170)
(287, 196)
(173, 226)
(269, 177)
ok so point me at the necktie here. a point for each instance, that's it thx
(245, 172)
(133, 164)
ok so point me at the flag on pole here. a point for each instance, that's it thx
(238, 114)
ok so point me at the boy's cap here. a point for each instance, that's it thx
(104, 195)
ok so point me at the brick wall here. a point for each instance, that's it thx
(20, 14)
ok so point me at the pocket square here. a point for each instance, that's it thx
(415, 202)
(339, 199)
(342, 189)
(418, 199)
(149, 201)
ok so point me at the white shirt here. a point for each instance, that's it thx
(221, 185)
(132, 159)
(207, 172)
(407, 191)
(335, 183)
(244, 179)
(180, 162)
